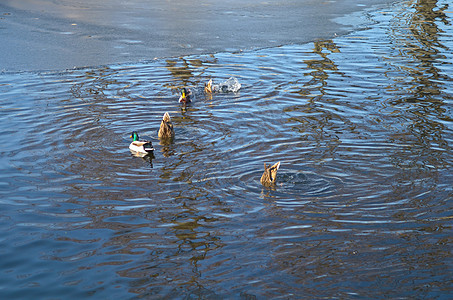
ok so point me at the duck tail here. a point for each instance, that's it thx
(148, 147)
(166, 117)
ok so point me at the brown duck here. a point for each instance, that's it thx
(270, 174)
(208, 87)
(166, 127)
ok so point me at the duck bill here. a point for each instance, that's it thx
(183, 97)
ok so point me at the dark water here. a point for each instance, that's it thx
(362, 125)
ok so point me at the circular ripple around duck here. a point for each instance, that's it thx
(293, 187)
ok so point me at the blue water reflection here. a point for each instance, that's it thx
(361, 125)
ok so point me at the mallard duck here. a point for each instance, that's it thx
(140, 146)
(270, 174)
(166, 127)
(186, 96)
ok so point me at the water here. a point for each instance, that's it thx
(362, 125)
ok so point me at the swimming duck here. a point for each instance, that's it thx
(166, 127)
(270, 174)
(141, 146)
(186, 96)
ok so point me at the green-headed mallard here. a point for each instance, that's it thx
(141, 146)
(270, 174)
(186, 96)
(166, 127)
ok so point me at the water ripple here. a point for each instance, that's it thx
(361, 125)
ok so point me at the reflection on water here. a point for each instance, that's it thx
(361, 125)
(418, 95)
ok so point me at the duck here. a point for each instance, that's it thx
(208, 87)
(269, 176)
(186, 96)
(166, 127)
(140, 146)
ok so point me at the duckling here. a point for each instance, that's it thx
(140, 146)
(166, 127)
(270, 174)
(186, 96)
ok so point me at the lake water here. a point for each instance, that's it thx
(362, 208)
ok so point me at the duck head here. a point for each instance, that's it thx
(185, 96)
(134, 136)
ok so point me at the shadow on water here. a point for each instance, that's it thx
(361, 125)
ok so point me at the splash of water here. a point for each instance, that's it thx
(231, 85)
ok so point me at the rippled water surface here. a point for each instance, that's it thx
(362, 126)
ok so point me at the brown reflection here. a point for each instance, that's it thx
(322, 66)
(173, 255)
(192, 236)
(420, 113)
(422, 46)
(180, 70)
(187, 72)
(423, 103)
(167, 149)
(423, 22)
(315, 120)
